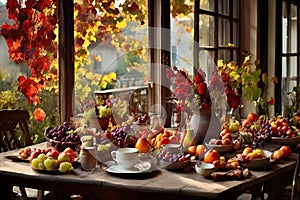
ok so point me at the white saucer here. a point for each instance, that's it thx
(140, 167)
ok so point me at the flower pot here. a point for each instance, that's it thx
(200, 123)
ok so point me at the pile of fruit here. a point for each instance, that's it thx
(63, 136)
(264, 129)
(49, 159)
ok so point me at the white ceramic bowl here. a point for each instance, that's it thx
(204, 169)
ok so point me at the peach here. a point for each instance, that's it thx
(211, 155)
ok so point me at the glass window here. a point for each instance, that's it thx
(223, 39)
(223, 6)
(207, 31)
(208, 5)
(114, 55)
(28, 64)
(287, 69)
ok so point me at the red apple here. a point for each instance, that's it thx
(252, 117)
(53, 153)
(211, 155)
(286, 151)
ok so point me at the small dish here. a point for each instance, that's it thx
(220, 148)
(204, 169)
(114, 168)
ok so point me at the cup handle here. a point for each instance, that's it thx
(113, 155)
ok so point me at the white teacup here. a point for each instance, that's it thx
(126, 157)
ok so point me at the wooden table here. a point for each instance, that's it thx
(160, 184)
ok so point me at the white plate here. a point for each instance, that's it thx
(141, 167)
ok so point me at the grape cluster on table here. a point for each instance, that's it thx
(119, 134)
(173, 157)
(63, 133)
(261, 134)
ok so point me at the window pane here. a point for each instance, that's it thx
(224, 32)
(207, 5)
(235, 55)
(236, 34)
(182, 42)
(236, 6)
(292, 73)
(284, 27)
(207, 31)
(223, 6)
(293, 31)
(206, 62)
(224, 55)
(114, 54)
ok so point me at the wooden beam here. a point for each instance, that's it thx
(66, 59)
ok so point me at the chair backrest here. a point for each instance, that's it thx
(9, 121)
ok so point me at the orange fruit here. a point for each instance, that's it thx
(143, 145)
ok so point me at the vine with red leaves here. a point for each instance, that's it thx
(31, 41)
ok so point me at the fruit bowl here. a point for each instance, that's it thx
(220, 148)
(286, 141)
(60, 145)
(258, 163)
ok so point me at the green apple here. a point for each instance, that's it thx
(50, 163)
(34, 163)
(41, 166)
(65, 167)
(234, 125)
(41, 157)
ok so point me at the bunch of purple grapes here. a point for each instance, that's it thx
(263, 134)
(119, 134)
(63, 133)
(172, 157)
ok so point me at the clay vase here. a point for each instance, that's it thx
(199, 122)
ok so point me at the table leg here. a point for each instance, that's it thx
(5, 190)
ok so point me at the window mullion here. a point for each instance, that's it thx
(66, 60)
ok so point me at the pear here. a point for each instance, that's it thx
(189, 138)
(234, 125)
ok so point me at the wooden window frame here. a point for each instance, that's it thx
(279, 54)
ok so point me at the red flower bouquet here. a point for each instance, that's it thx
(192, 93)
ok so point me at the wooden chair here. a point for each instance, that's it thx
(10, 121)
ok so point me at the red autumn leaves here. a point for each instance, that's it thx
(193, 93)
